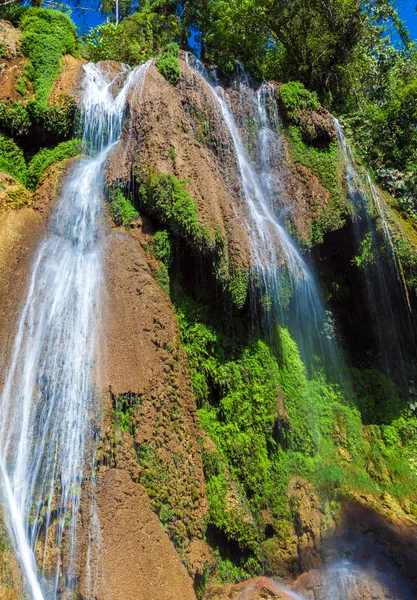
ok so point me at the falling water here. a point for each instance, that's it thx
(388, 300)
(286, 283)
(47, 403)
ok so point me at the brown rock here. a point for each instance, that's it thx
(138, 561)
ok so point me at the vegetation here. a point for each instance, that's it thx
(47, 36)
(12, 160)
(168, 64)
(167, 199)
(48, 156)
(324, 163)
(270, 422)
(134, 40)
(122, 210)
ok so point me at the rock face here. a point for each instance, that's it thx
(12, 63)
(169, 131)
(142, 359)
(138, 561)
(254, 589)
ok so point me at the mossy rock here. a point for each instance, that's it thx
(13, 195)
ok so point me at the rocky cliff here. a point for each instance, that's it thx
(220, 458)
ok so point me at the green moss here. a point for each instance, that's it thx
(19, 119)
(295, 98)
(47, 36)
(123, 407)
(161, 249)
(270, 421)
(14, 118)
(122, 210)
(21, 86)
(324, 162)
(238, 286)
(168, 64)
(12, 160)
(49, 156)
(166, 198)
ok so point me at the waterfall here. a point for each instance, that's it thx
(48, 401)
(286, 282)
(387, 295)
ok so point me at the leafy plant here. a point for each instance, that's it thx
(48, 156)
(168, 64)
(12, 160)
(47, 36)
(122, 210)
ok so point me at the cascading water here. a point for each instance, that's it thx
(287, 285)
(47, 403)
(387, 294)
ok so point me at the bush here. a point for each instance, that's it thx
(121, 209)
(133, 41)
(48, 156)
(18, 119)
(295, 98)
(12, 160)
(47, 35)
(166, 198)
(168, 64)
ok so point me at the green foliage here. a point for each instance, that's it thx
(49, 156)
(19, 119)
(12, 160)
(3, 51)
(122, 210)
(123, 407)
(171, 153)
(238, 286)
(47, 36)
(168, 64)
(270, 421)
(166, 198)
(324, 162)
(161, 249)
(366, 256)
(134, 40)
(21, 86)
(296, 98)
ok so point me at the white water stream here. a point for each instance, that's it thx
(47, 404)
(281, 272)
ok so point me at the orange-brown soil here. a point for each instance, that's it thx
(68, 81)
(12, 65)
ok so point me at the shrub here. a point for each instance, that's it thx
(168, 64)
(302, 108)
(48, 156)
(12, 160)
(47, 35)
(133, 41)
(295, 98)
(18, 119)
(166, 198)
(121, 209)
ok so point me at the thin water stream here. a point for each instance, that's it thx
(48, 400)
(285, 280)
(387, 294)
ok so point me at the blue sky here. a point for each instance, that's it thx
(86, 19)
(407, 10)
